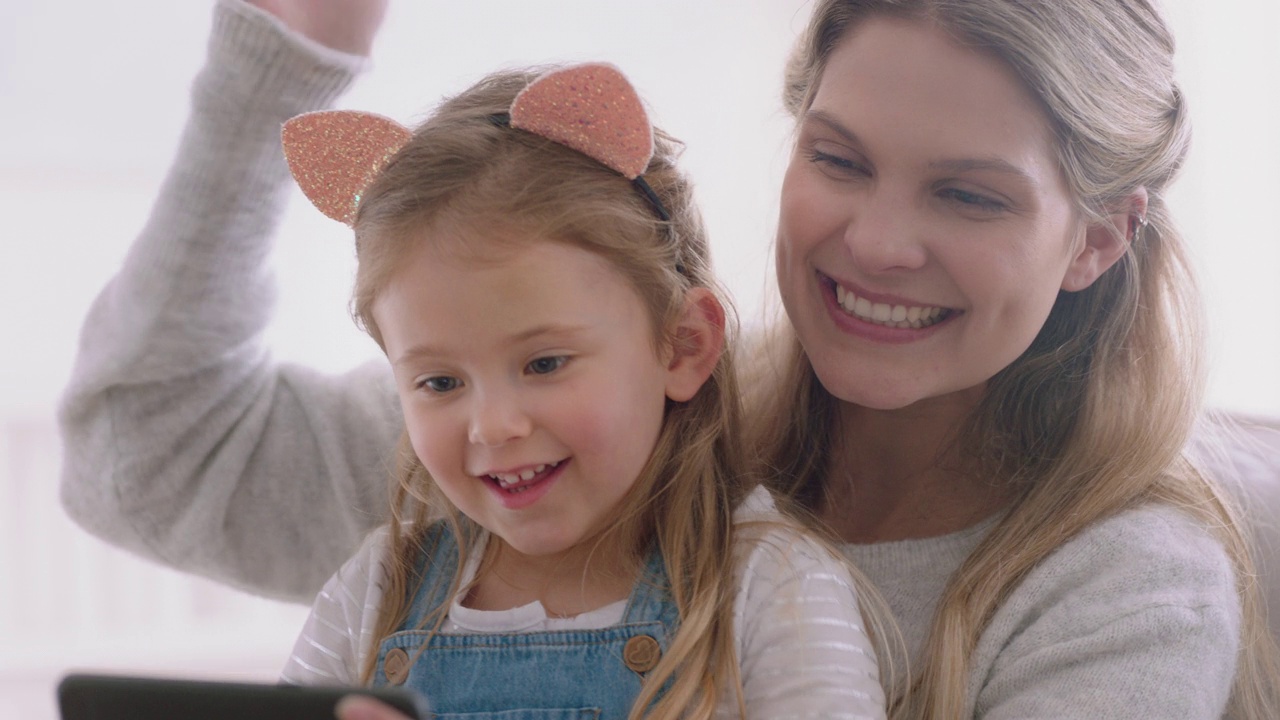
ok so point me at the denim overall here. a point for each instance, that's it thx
(550, 675)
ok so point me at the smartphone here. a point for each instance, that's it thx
(83, 696)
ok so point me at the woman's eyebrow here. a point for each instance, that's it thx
(955, 165)
(826, 119)
(992, 164)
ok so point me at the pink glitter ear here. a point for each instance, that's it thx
(335, 154)
(593, 109)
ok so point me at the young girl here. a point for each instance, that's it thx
(571, 490)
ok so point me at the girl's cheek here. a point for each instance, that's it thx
(429, 438)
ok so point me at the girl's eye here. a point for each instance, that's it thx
(546, 365)
(973, 201)
(439, 384)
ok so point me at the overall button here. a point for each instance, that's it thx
(642, 653)
(396, 666)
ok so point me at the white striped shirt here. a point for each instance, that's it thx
(802, 648)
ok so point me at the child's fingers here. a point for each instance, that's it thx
(359, 707)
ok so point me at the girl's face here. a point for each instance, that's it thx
(530, 385)
(925, 228)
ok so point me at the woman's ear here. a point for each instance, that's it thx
(1106, 242)
(698, 341)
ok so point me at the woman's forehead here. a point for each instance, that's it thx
(910, 82)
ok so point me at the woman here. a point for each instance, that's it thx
(983, 385)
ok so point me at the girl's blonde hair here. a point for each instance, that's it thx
(1091, 420)
(466, 171)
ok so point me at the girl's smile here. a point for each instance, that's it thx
(508, 353)
(521, 488)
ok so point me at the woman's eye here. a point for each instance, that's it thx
(439, 384)
(836, 163)
(546, 365)
(973, 200)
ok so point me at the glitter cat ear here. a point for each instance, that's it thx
(593, 109)
(335, 154)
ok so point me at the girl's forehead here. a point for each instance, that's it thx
(487, 248)
(458, 305)
(473, 242)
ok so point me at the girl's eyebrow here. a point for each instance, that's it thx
(990, 163)
(551, 329)
(555, 330)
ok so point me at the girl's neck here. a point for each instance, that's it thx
(567, 584)
(901, 474)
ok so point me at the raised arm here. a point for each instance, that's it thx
(184, 441)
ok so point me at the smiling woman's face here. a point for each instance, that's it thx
(925, 228)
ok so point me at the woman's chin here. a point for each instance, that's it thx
(889, 392)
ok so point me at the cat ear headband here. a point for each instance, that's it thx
(592, 108)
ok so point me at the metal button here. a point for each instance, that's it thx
(396, 666)
(642, 653)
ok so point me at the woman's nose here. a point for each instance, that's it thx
(497, 417)
(883, 234)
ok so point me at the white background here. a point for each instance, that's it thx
(93, 95)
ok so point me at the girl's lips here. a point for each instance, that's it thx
(514, 478)
(525, 491)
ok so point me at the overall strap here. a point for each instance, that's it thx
(437, 567)
(587, 673)
(651, 596)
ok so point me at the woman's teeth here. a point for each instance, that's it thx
(897, 316)
(507, 480)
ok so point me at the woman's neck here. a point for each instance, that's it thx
(900, 474)
(567, 584)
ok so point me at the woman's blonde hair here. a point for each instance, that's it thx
(468, 172)
(1091, 420)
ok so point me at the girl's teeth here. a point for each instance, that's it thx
(899, 316)
(507, 480)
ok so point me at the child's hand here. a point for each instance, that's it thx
(346, 25)
(359, 707)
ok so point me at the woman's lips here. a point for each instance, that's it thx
(914, 317)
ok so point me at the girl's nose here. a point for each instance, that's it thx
(883, 234)
(497, 418)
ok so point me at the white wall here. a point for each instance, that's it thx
(92, 96)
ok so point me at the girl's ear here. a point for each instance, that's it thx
(699, 340)
(1106, 242)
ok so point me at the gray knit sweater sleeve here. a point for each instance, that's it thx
(184, 441)
(1137, 617)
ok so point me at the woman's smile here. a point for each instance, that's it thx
(885, 311)
(925, 227)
